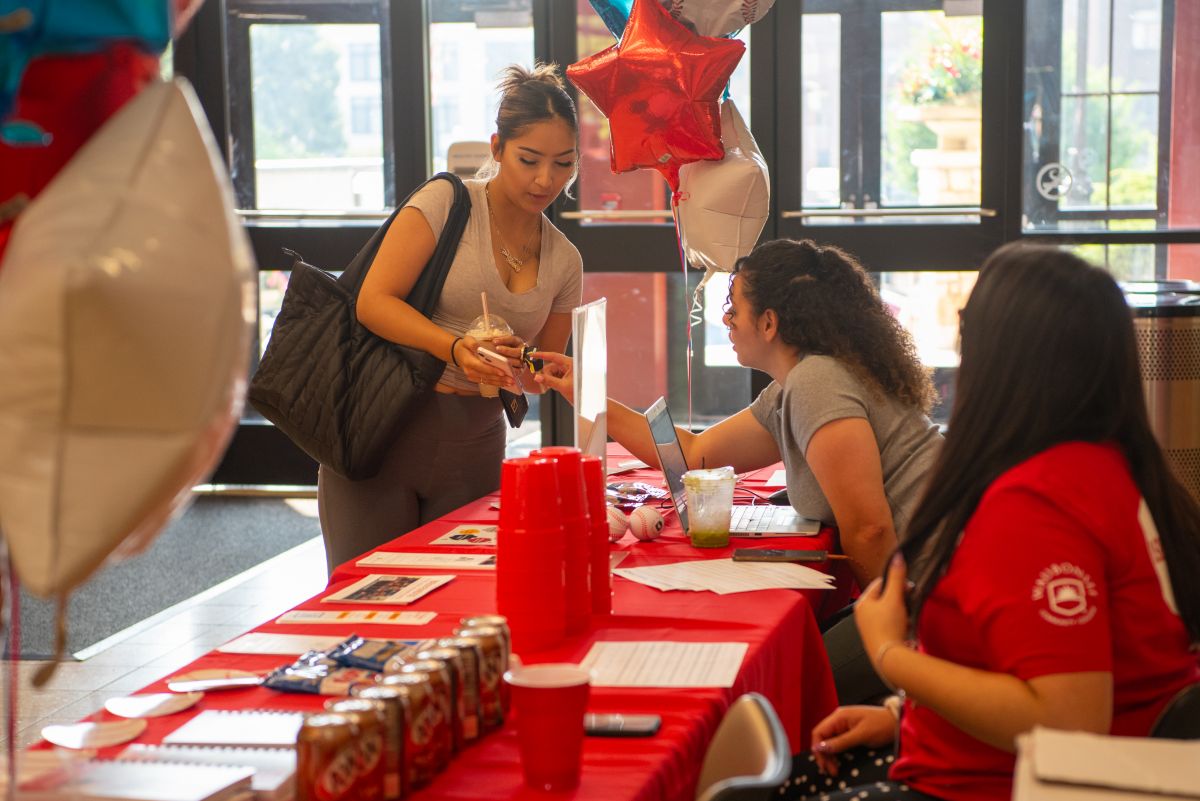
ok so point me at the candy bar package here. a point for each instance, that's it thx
(317, 673)
(370, 654)
(631, 494)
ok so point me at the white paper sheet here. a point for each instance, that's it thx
(371, 616)
(626, 466)
(664, 664)
(379, 588)
(725, 576)
(257, 642)
(471, 534)
(463, 561)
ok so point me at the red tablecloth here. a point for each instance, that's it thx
(785, 662)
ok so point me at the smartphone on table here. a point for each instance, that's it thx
(614, 724)
(780, 555)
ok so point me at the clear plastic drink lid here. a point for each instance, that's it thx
(495, 326)
(705, 478)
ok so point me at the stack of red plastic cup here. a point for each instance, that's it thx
(531, 554)
(598, 547)
(577, 530)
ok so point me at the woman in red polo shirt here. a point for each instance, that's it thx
(1053, 556)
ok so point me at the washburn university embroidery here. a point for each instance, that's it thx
(1065, 589)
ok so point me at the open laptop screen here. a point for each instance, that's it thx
(670, 455)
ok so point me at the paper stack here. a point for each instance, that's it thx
(725, 576)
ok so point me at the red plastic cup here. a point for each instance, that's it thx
(549, 702)
(529, 497)
(577, 529)
(531, 554)
(599, 545)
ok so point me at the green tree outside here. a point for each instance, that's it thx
(295, 76)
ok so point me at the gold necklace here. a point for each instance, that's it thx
(515, 263)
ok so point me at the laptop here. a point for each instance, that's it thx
(748, 521)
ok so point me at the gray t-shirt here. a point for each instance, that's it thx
(819, 390)
(560, 274)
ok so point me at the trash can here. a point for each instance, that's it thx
(1166, 322)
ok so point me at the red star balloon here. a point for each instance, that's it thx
(660, 87)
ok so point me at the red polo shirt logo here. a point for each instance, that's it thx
(1067, 596)
(1061, 592)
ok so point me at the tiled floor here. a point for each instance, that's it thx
(169, 640)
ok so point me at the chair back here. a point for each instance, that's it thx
(1180, 718)
(749, 757)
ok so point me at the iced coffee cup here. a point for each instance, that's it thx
(709, 505)
(486, 330)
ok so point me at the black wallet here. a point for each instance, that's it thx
(516, 406)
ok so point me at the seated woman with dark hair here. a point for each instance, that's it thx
(1054, 556)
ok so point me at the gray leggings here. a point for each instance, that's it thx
(448, 455)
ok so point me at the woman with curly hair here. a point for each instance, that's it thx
(846, 411)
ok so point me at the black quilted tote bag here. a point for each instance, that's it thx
(338, 391)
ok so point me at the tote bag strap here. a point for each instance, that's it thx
(428, 288)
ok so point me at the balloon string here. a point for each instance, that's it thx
(691, 319)
(10, 614)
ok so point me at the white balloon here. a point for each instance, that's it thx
(126, 305)
(717, 17)
(724, 204)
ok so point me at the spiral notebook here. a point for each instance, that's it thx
(47, 777)
(239, 728)
(274, 768)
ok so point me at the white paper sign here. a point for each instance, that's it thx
(665, 664)
(382, 589)
(372, 616)
(464, 561)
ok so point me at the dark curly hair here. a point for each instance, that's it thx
(827, 304)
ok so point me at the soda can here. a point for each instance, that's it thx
(368, 718)
(491, 670)
(499, 621)
(443, 696)
(452, 660)
(422, 730)
(395, 717)
(470, 653)
(326, 758)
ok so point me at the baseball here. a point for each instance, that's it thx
(618, 524)
(646, 523)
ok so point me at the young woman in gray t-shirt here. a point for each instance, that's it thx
(846, 411)
(450, 451)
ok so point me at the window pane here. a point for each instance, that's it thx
(1109, 142)
(467, 50)
(1137, 45)
(318, 141)
(927, 305)
(821, 81)
(647, 341)
(1144, 262)
(641, 190)
(1085, 150)
(932, 108)
(1085, 46)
